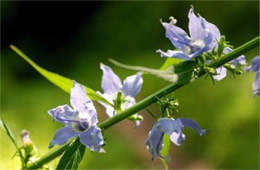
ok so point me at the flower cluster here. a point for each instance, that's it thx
(81, 120)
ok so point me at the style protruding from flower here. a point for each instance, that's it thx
(81, 121)
(173, 128)
(120, 96)
(203, 36)
(255, 66)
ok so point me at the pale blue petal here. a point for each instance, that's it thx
(169, 126)
(177, 138)
(132, 85)
(222, 72)
(92, 138)
(154, 141)
(109, 109)
(176, 35)
(174, 54)
(256, 84)
(193, 125)
(198, 24)
(79, 99)
(64, 114)
(255, 66)
(110, 81)
(63, 135)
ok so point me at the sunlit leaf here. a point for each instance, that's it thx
(170, 62)
(60, 81)
(179, 73)
(72, 156)
(165, 150)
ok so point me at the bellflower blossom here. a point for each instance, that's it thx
(255, 66)
(120, 96)
(171, 127)
(81, 121)
(222, 71)
(203, 37)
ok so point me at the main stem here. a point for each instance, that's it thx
(148, 101)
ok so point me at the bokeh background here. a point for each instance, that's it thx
(72, 38)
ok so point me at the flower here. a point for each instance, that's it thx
(203, 37)
(120, 96)
(171, 127)
(255, 66)
(222, 71)
(81, 121)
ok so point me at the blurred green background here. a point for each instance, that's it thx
(72, 38)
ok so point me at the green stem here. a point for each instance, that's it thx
(148, 101)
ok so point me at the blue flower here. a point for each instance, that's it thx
(81, 121)
(255, 66)
(203, 37)
(171, 127)
(222, 71)
(120, 96)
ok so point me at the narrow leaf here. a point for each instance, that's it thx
(165, 150)
(60, 81)
(72, 156)
(170, 62)
(179, 73)
(9, 133)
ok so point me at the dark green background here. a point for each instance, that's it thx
(72, 38)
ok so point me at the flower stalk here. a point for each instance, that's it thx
(149, 100)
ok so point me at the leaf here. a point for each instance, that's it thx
(165, 150)
(179, 73)
(60, 81)
(11, 136)
(169, 62)
(72, 156)
(9, 133)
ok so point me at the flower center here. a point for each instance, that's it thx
(82, 126)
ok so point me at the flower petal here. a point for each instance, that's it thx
(222, 72)
(177, 138)
(62, 135)
(64, 114)
(255, 66)
(132, 85)
(109, 108)
(198, 24)
(154, 141)
(169, 126)
(110, 81)
(178, 37)
(174, 54)
(193, 125)
(239, 60)
(93, 139)
(256, 84)
(82, 103)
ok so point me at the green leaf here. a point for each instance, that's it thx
(60, 81)
(72, 156)
(165, 150)
(11, 136)
(179, 73)
(9, 133)
(170, 62)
